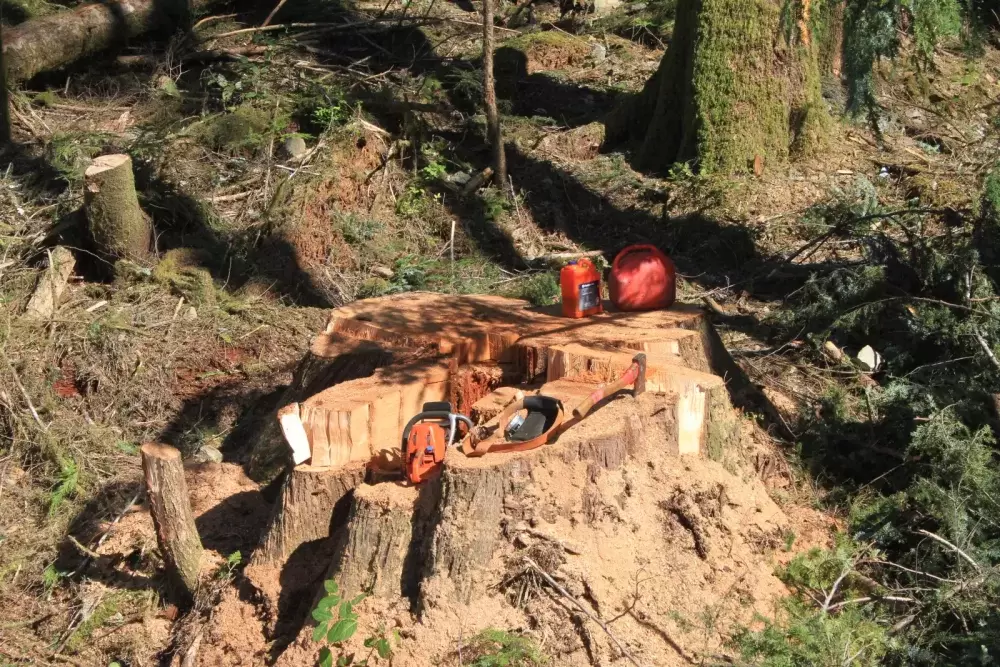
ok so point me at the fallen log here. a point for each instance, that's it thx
(56, 40)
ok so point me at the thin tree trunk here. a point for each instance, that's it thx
(490, 98)
(170, 506)
(4, 102)
(120, 228)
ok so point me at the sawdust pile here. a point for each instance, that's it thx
(671, 553)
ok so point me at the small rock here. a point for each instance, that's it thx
(191, 314)
(383, 272)
(459, 178)
(295, 147)
(636, 7)
(208, 454)
(598, 52)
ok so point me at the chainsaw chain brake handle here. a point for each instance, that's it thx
(425, 441)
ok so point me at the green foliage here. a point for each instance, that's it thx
(70, 154)
(499, 648)
(66, 485)
(541, 289)
(911, 454)
(243, 130)
(337, 622)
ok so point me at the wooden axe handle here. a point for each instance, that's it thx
(604, 390)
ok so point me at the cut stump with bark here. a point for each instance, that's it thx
(120, 228)
(170, 507)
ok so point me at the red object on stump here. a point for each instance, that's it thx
(580, 282)
(642, 278)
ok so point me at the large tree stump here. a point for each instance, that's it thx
(120, 228)
(170, 507)
(386, 542)
(480, 495)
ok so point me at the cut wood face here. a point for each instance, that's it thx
(479, 344)
(105, 163)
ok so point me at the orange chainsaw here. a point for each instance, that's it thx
(427, 437)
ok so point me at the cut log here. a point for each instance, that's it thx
(170, 507)
(51, 285)
(121, 230)
(60, 38)
(332, 358)
(363, 419)
(386, 540)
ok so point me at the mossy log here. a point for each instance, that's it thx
(120, 228)
(170, 507)
(701, 108)
(60, 38)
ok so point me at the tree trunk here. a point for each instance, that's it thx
(170, 507)
(314, 503)
(387, 539)
(61, 38)
(120, 228)
(734, 88)
(490, 98)
(4, 102)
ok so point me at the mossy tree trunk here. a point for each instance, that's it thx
(739, 84)
(4, 102)
(120, 228)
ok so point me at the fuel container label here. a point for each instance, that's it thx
(590, 295)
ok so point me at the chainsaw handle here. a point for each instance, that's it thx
(431, 414)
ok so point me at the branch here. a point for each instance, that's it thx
(986, 347)
(952, 546)
(562, 591)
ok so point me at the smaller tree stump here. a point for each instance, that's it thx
(386, 540)
(170, 506)
(120, 228)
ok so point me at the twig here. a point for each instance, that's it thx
(209, 19)
(986, 347)
(24, 392)
(93, 555)
(890, 598)
(277, 8)
(833, 590)
(562, 591)
(906, 569)
(86, 561)
(235, 197)
(951, 546)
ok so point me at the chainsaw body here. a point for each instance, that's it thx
(426, 440)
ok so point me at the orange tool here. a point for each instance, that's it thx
(426, 440)
(635, 376)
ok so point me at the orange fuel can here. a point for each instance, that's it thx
(581, 289)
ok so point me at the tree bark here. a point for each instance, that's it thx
(61, 38)
(490, 99)
(732, 89)
(170, 507)
(120, 228)
(4, 101)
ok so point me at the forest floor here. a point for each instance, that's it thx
(259, 240)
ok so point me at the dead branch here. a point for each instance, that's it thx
(562, 591)
(954, 548)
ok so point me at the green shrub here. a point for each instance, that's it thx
(499, 648)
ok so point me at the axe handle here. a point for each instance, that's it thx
(585, 406)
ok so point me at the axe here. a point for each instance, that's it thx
(635, 376)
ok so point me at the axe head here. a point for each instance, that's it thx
(640, 380)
